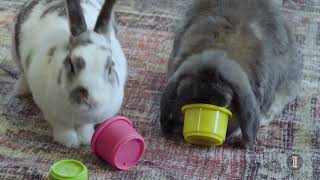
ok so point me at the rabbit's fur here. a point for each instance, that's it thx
(235, 54)
(72, 64)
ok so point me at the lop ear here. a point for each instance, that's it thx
(249, 112)
(246, 103)
(104, 18)
(170, 108)
(76, 18)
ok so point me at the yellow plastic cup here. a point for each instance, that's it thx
(205, 124)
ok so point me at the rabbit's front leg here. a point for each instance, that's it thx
(65, 134)
(21, 87)
(85, 133)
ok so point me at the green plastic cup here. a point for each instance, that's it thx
(68, 169)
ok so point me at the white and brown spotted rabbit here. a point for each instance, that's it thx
(72, 64)
(238, 54)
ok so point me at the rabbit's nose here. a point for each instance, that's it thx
(80, 95)
(90, 102)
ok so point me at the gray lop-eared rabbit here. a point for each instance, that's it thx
(235, 54)
(72, 63)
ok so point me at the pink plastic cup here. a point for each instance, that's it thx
(118, 143)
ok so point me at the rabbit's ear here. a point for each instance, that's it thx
(246, 104)
(76, 18)
(169, 108)
(249, 111)
(102, 25)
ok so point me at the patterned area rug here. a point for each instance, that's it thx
(146, 31)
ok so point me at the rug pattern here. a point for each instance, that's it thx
(146, 32)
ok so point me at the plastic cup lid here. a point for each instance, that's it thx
(68, 169)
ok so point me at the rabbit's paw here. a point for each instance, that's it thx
(85, 133)
(67, 137)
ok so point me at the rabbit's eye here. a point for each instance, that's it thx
(80, 63)
(112, 75)
(110, 70)
(109, 67)
(69, 66)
